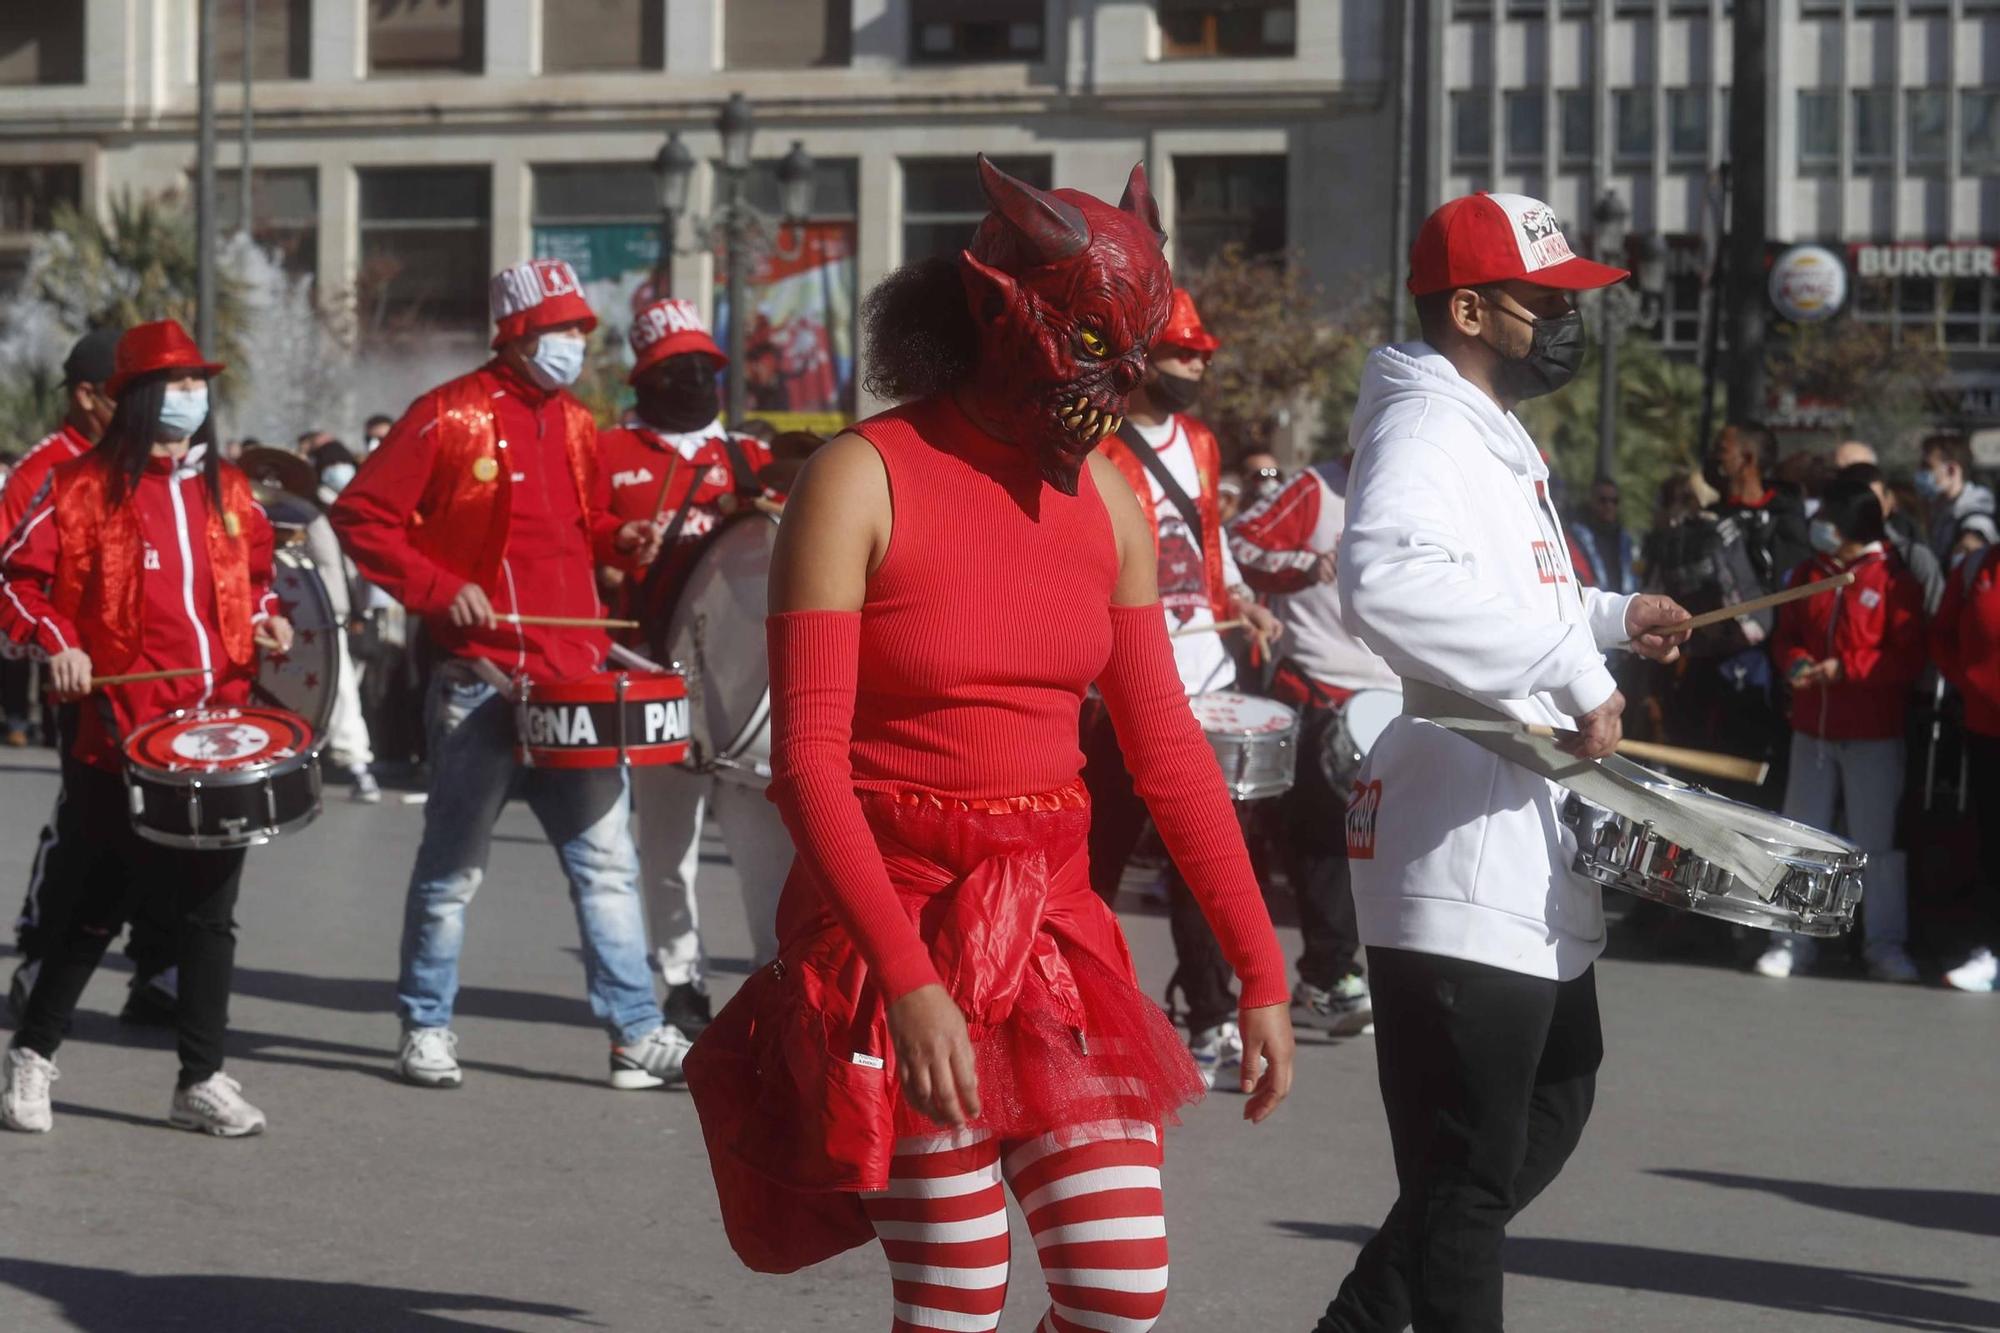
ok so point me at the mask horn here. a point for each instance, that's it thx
(1053, 229)
(1139, 201)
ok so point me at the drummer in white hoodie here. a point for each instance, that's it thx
(1479, 937)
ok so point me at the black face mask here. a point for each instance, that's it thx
(1554, 355)
(1176, 392)
(681, 397)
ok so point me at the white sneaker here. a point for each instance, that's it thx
(215, 1106)
(1777, 962)
(429, 1058)
(24, 1104)
(1341, 1012)
(1892, 963)
(366, 790)
(1218, 1055)
(1979, 973)
(651, 1060)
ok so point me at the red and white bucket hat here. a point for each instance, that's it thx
(539, 294)
(668, 328)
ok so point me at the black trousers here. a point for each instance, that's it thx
(109, 871)
(1312, 838)
(1982, 762)
(1488, 1078)
(17, 675)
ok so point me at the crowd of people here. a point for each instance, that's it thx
(990, 608)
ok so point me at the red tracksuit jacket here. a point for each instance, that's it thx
(1965, 638)
(1874, 627)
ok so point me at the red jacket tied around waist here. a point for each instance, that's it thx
(1874, 627)
(492, 481)
(153, 579)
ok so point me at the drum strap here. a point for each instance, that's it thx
(742, 477)
(1146, 454)
(1605, 782)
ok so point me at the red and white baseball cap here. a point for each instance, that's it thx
(1483, 238)
(669, 328)
(540, 294)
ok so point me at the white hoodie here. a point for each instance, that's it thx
(1454, 568)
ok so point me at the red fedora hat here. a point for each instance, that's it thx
(161, 345)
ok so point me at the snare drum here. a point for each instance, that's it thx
(222, 777)
(610, 720)
(1362, 720)
(1255, 740)
(1818, 892)
(715, 633)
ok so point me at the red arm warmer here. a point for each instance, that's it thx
(815, 664)
(1174, 769)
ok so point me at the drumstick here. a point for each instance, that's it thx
(133, 677)
(1717, 616)
(1708, 763)
(577, 622)
(1216, 628)
(769, 506)
(666, 482)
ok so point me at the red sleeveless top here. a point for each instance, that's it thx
(986, 623)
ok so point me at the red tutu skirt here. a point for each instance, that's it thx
(796, 1079)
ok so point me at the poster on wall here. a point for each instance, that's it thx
(612, 261)
(799, 340)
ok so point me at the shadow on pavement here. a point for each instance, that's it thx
(107, 1300)
(1938, 1210)
(1890, 1299)
(377, 995)
(374, 1062)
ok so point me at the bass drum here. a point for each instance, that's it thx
(302, 681)
(714, 636)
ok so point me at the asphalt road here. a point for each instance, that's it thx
(1820, 1155)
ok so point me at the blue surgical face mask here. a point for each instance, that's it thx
(182, 411)
(1927, 483)
(336, 476)
(1825, 537)
(558, 360)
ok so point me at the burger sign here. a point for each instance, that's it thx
(1808, 284)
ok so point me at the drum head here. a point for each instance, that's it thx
(715, 634)
(302, 681)
(1228, 713)
(1368, 714)
(218, 740)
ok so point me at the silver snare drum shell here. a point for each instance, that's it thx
(1256, 741)
(1817, 895)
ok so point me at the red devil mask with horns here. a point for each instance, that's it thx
(1067, 293)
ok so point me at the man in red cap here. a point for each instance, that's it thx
(672, 460)
(1480, 937)
(1174, 465)
(486, 503)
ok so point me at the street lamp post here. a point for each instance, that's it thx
(1611, 216)
(736, 224)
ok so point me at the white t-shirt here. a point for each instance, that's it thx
(1203, 659)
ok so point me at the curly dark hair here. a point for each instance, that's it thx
(921, 341)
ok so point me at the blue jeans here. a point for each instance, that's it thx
(587, 817)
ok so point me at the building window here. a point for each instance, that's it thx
(1471, 130)
(1925, 133)
(787, 34)
(947, 31)
(280, 35)
(1220, 201)
(1527, 128)
(1819, 132)
(1578, 125)
(1874, 129)
(1956, 313)
(426, 246)
(41, 43)
(29, 194)
(942, 201)
(426, 36)
(1632, 125)
(1196, 28)
(1687, 127)
(579, 36)
(284, 205)
(1979, 131)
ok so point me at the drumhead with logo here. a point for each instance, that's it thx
(1230, 713)
(219, 740)
(302, 680)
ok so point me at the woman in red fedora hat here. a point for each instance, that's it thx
(146, 554)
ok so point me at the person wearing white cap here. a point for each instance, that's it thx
(1479, 937)
(485, 501)
(672, 456)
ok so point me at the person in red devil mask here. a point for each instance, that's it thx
(951, 1002)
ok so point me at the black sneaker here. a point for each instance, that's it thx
(151, 1002)
(687, 1008)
